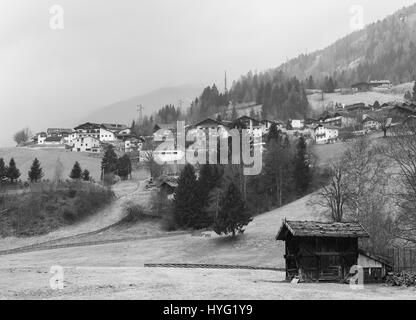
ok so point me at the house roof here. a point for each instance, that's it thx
(59, 130)
(359, 84)
(321, 229)
(53, 139)
(114, 126)
(380, 82)
(326, 126)
(405, 108)
(207, 120)
(375, 257)
(249, 118)
(369, 118)
(356, 106)
(227, 123)
(266, 120)
(166, 126)
(88, 125)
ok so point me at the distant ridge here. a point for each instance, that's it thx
(125, 111)
(382, 50)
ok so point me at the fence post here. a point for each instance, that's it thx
(396, 260)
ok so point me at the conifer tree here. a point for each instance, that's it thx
(86, 175)
(12, 172)
(36, 172)
(232, 216)
(414, 92)
(301, 168)
(253, 114)
(124, 167)
(3, 170)
(209, 178)
(273, 133)
(109, 162)
(187, 208)
(234, 114)
(76, 171)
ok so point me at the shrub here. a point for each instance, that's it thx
(134, 213)
(169, 222)
(72, 193)
(405, 279)
(46, 207)
(69, 216)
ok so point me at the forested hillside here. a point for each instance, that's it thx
(383, 50)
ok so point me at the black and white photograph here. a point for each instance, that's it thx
(221, 151)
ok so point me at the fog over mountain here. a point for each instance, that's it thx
(111, 51)
(125, 111)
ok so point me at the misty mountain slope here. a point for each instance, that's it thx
(125, 111)
(382, 50)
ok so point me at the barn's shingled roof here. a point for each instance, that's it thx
(321, 229)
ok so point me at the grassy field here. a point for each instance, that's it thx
(185, 284)
(48, 157)
(116, 270)
(47, 207)
(396, 93)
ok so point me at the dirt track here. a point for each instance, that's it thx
(116, 270)
(126, 191)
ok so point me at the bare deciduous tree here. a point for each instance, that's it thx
(383, 118)
(154, 168)
(58, 173)
(335, 195)
(367, 175)
(22, 136)
(356, 191)
(402, 149)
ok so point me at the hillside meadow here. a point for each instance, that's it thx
(48, 159)
(396, 93)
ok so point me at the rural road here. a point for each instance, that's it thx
(125, 192)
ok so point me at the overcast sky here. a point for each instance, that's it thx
(112, 50)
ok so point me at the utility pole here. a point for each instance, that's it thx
(140, 114)
(225, 82)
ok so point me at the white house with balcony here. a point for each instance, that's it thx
(297, 124)
(41, 137)
(370, 124)
(107, 135)
(86, 144)
(325, 134)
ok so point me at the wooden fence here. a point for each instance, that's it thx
(402, 259)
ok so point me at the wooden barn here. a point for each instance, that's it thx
(320, 251)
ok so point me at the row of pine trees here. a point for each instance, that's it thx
(11, 173)
(111, 164)
(200, 202)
